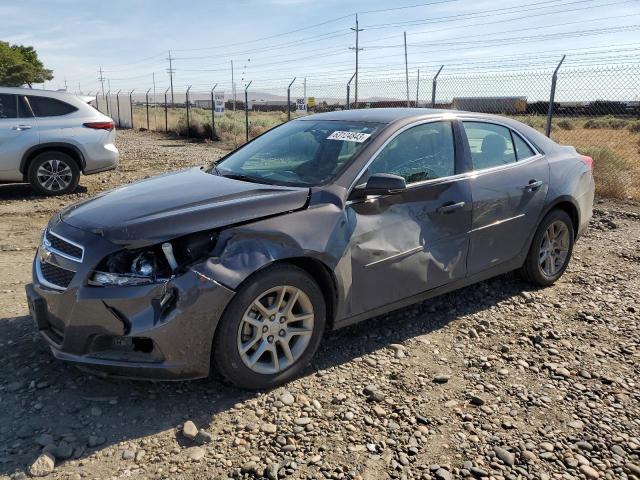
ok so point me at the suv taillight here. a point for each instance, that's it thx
(588, 161)
(100, 125)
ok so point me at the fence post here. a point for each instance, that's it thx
(289, 99)
(107, 100)
(246, 111)
(418, 89)
(213, 114)
(554, 78)
(118, 105)
(166, 113)
(97, 104)
(131, 106)
(349, 91)
(147, 101)
(433, 87)
(187, 102)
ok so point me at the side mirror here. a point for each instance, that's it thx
(380, 184)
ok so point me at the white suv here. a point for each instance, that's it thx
(47, 138)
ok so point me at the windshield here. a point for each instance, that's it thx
(299, 153)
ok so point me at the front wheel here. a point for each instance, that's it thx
(550, 250)
(271, 329)
(53, 173)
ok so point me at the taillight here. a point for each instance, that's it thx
(588, 161)
(100, 125)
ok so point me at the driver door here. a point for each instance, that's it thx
(415, 240)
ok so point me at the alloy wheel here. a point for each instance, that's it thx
(54, 175)
(276, 329)
(554, 248)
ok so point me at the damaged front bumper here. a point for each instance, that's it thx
(160, 331)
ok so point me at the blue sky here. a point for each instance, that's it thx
(131, 40)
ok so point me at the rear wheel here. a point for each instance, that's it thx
(550, 250)
(271, 329)
(53, 173)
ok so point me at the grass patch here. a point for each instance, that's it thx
(615, 176)
(634, 127)
(608, 121)
(565, 124)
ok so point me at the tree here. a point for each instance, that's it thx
(20, 65)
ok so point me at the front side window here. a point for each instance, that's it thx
(299, 153)
(423, 152)
(49, 107)
(8, 106)
(490, 144)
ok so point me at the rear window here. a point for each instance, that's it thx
(8, 106)
(50, 107)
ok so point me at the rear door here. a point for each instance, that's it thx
(18, 133)
(415, 240)
(509, 186)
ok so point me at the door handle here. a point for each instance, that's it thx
(450, 207)
(19, 128)
(533, 185)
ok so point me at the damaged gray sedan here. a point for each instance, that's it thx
(319, 223)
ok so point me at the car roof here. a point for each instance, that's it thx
(37, 92)
(379, 115)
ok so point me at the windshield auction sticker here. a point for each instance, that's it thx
(349, 136)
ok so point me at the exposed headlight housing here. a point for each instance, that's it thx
(152, 264)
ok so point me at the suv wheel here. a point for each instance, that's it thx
(53, 173)
(271, 329)
(550, 250)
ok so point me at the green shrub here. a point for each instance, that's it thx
(565, 124)
(634, 127)
(608, 121)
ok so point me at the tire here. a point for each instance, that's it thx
(247, 328)
(53, 173)
(548, 272)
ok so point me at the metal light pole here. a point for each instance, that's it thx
(357, 49)
(554, 78)
(289, 99)
(246, 110)
(418, 89)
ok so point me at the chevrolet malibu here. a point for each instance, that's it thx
(319, 223)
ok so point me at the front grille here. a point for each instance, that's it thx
(56, 275)
(61, 245)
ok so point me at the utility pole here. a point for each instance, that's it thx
(101, 78)
(233, 88)
(357, 49)
(171, 72)
(304, 89)
(406, 68)
(65, 84)
(79, 89)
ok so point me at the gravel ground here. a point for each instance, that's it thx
(494, 381)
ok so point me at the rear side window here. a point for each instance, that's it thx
(523, 150)
(8, 106)
(490, 144)
(49, 107)
(23, 108)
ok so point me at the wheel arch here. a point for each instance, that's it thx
(68, 148)
(568, 205)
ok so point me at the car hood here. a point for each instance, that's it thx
(175, 204)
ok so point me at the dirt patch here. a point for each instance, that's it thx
(495, 380)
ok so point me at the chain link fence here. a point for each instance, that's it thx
(597, 110)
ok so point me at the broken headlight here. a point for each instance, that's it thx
(153, 264)
(128, 268)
